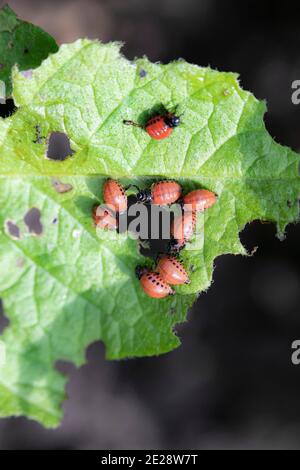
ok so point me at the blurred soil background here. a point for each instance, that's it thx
(231, 384)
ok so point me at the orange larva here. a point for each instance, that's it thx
(172, 271)
(114, 195)
(183, 227)
(153, 284)
(104, 218)
(159, 127)
(162, 193)
(165, 192)
(200, 199)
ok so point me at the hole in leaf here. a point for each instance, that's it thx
(12, 230)
(4, 322)
(143, 73)
(149, 247)
(33, 221)
(39, 138)
(59, 147)
(61, 187)
(8, 108)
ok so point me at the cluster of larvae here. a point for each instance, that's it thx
(169, 270)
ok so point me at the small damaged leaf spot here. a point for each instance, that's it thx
(59, 147)
(4, 322)
(33, 221)
(8, 108)
(12, 230)
(143, 73)
(39, 138)
(27, 73)
(76, 233)
(61, 187)
(20, 262)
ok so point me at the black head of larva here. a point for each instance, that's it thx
(172, 120)
(144, 195)
(175, 247)
(140, 271)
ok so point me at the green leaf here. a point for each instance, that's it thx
(71, 286)
(21, 43)
(8, 19)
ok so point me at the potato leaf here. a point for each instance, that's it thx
(64, 286)
(21, 43)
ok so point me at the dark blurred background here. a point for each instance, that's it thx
(231, 384)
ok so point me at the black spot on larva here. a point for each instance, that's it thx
(33, 221)
(143, 73)
(7, 108)
(12, 230)
(59, 147)
(4, 322)
(61, 187)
